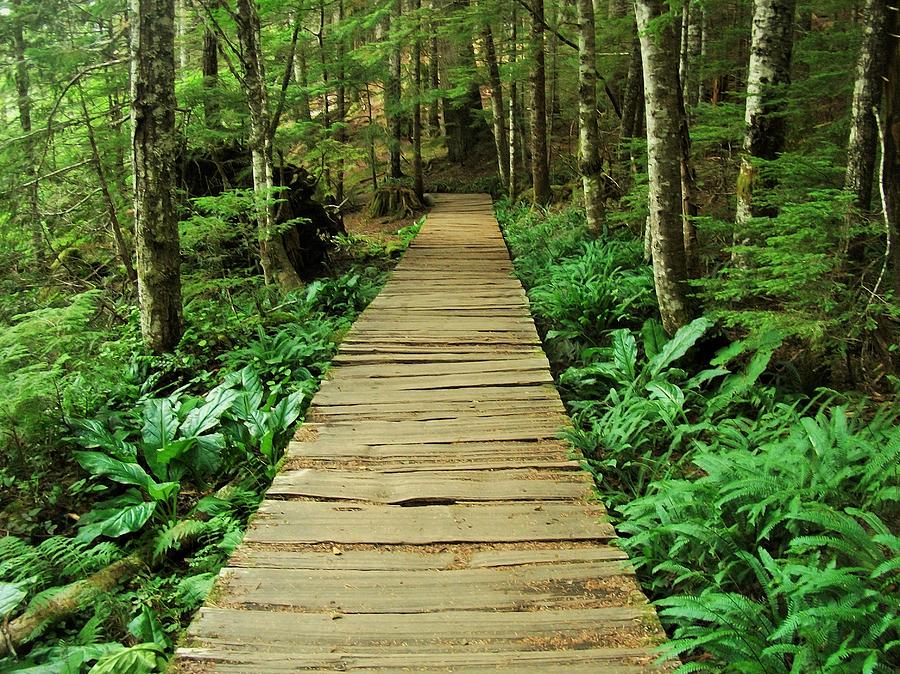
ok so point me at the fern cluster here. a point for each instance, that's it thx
(763, 522)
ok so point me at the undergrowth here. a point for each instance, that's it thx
(119, 455)
(761, 520)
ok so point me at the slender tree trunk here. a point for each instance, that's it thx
(501, 140)
(540, 168)
(697, 71)
(276, 264)
(434, 120)
(690, 73)
(210, 66)
(768, 76)
(182, 30)
(373, 157)
(891, 151)
(664, 123)
(153, 148)
(393, 92)
(418, 178)
(588, 130)
(867, 90)
(23, 100)
(341, 133)
(513, 112)
(111, 210)
(633, 96)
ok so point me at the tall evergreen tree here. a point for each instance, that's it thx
(153, 147)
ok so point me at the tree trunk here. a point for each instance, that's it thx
(891, 154)
(514, 140)
(768, 77)
(210, 66)
(862, 148)
(664, 122)
(633, 96)
(418, 178)
(540, 168)
(277, 267)
(690, 73)
(341, 132)
(434, 119)
(153, 148)
(501, 140)
(590, 165)
(23, 99)
(111, 211)
(392, 92)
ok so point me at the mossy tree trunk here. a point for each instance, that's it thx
(867, 90)
(540, 167)
(153, 150)
(498, 110)
(664, 150)
(588, 131)
(276, 264)
(768, 75)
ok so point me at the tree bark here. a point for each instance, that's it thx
(341, 132)
(867, 91)
(418, 178)
(513, 136)
(434, 119)
(891, 154)
(501, 140)
(23, 100)
(277, 267)
(690, 73)
(664, 122)
(393, 93)
(153, 149)
(633, 96)
(768, 77)
(589, 163)
(210, 67)
(540, 168)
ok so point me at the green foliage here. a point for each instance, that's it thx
(763, 524)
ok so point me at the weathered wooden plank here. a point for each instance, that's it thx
(315, 522)
(429, 487)
(382, 371)
(509, 380)
(438, 431)
(473, 452)
(583, 661)
(484, 589)
(435, 633)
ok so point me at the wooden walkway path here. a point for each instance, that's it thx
(427, 520)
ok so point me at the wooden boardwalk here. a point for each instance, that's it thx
(427, 520)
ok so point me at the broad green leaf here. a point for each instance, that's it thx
(99, 463)
(118, 522)
(140, 659)
(145, 627)
(93, 434)
(286, 412)
(160, 423)
(663, 390)
(624, 353)
(249, 394)
(203, 418)
(266, 445)
(654, 337)
(676, 347)
(11, 595)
